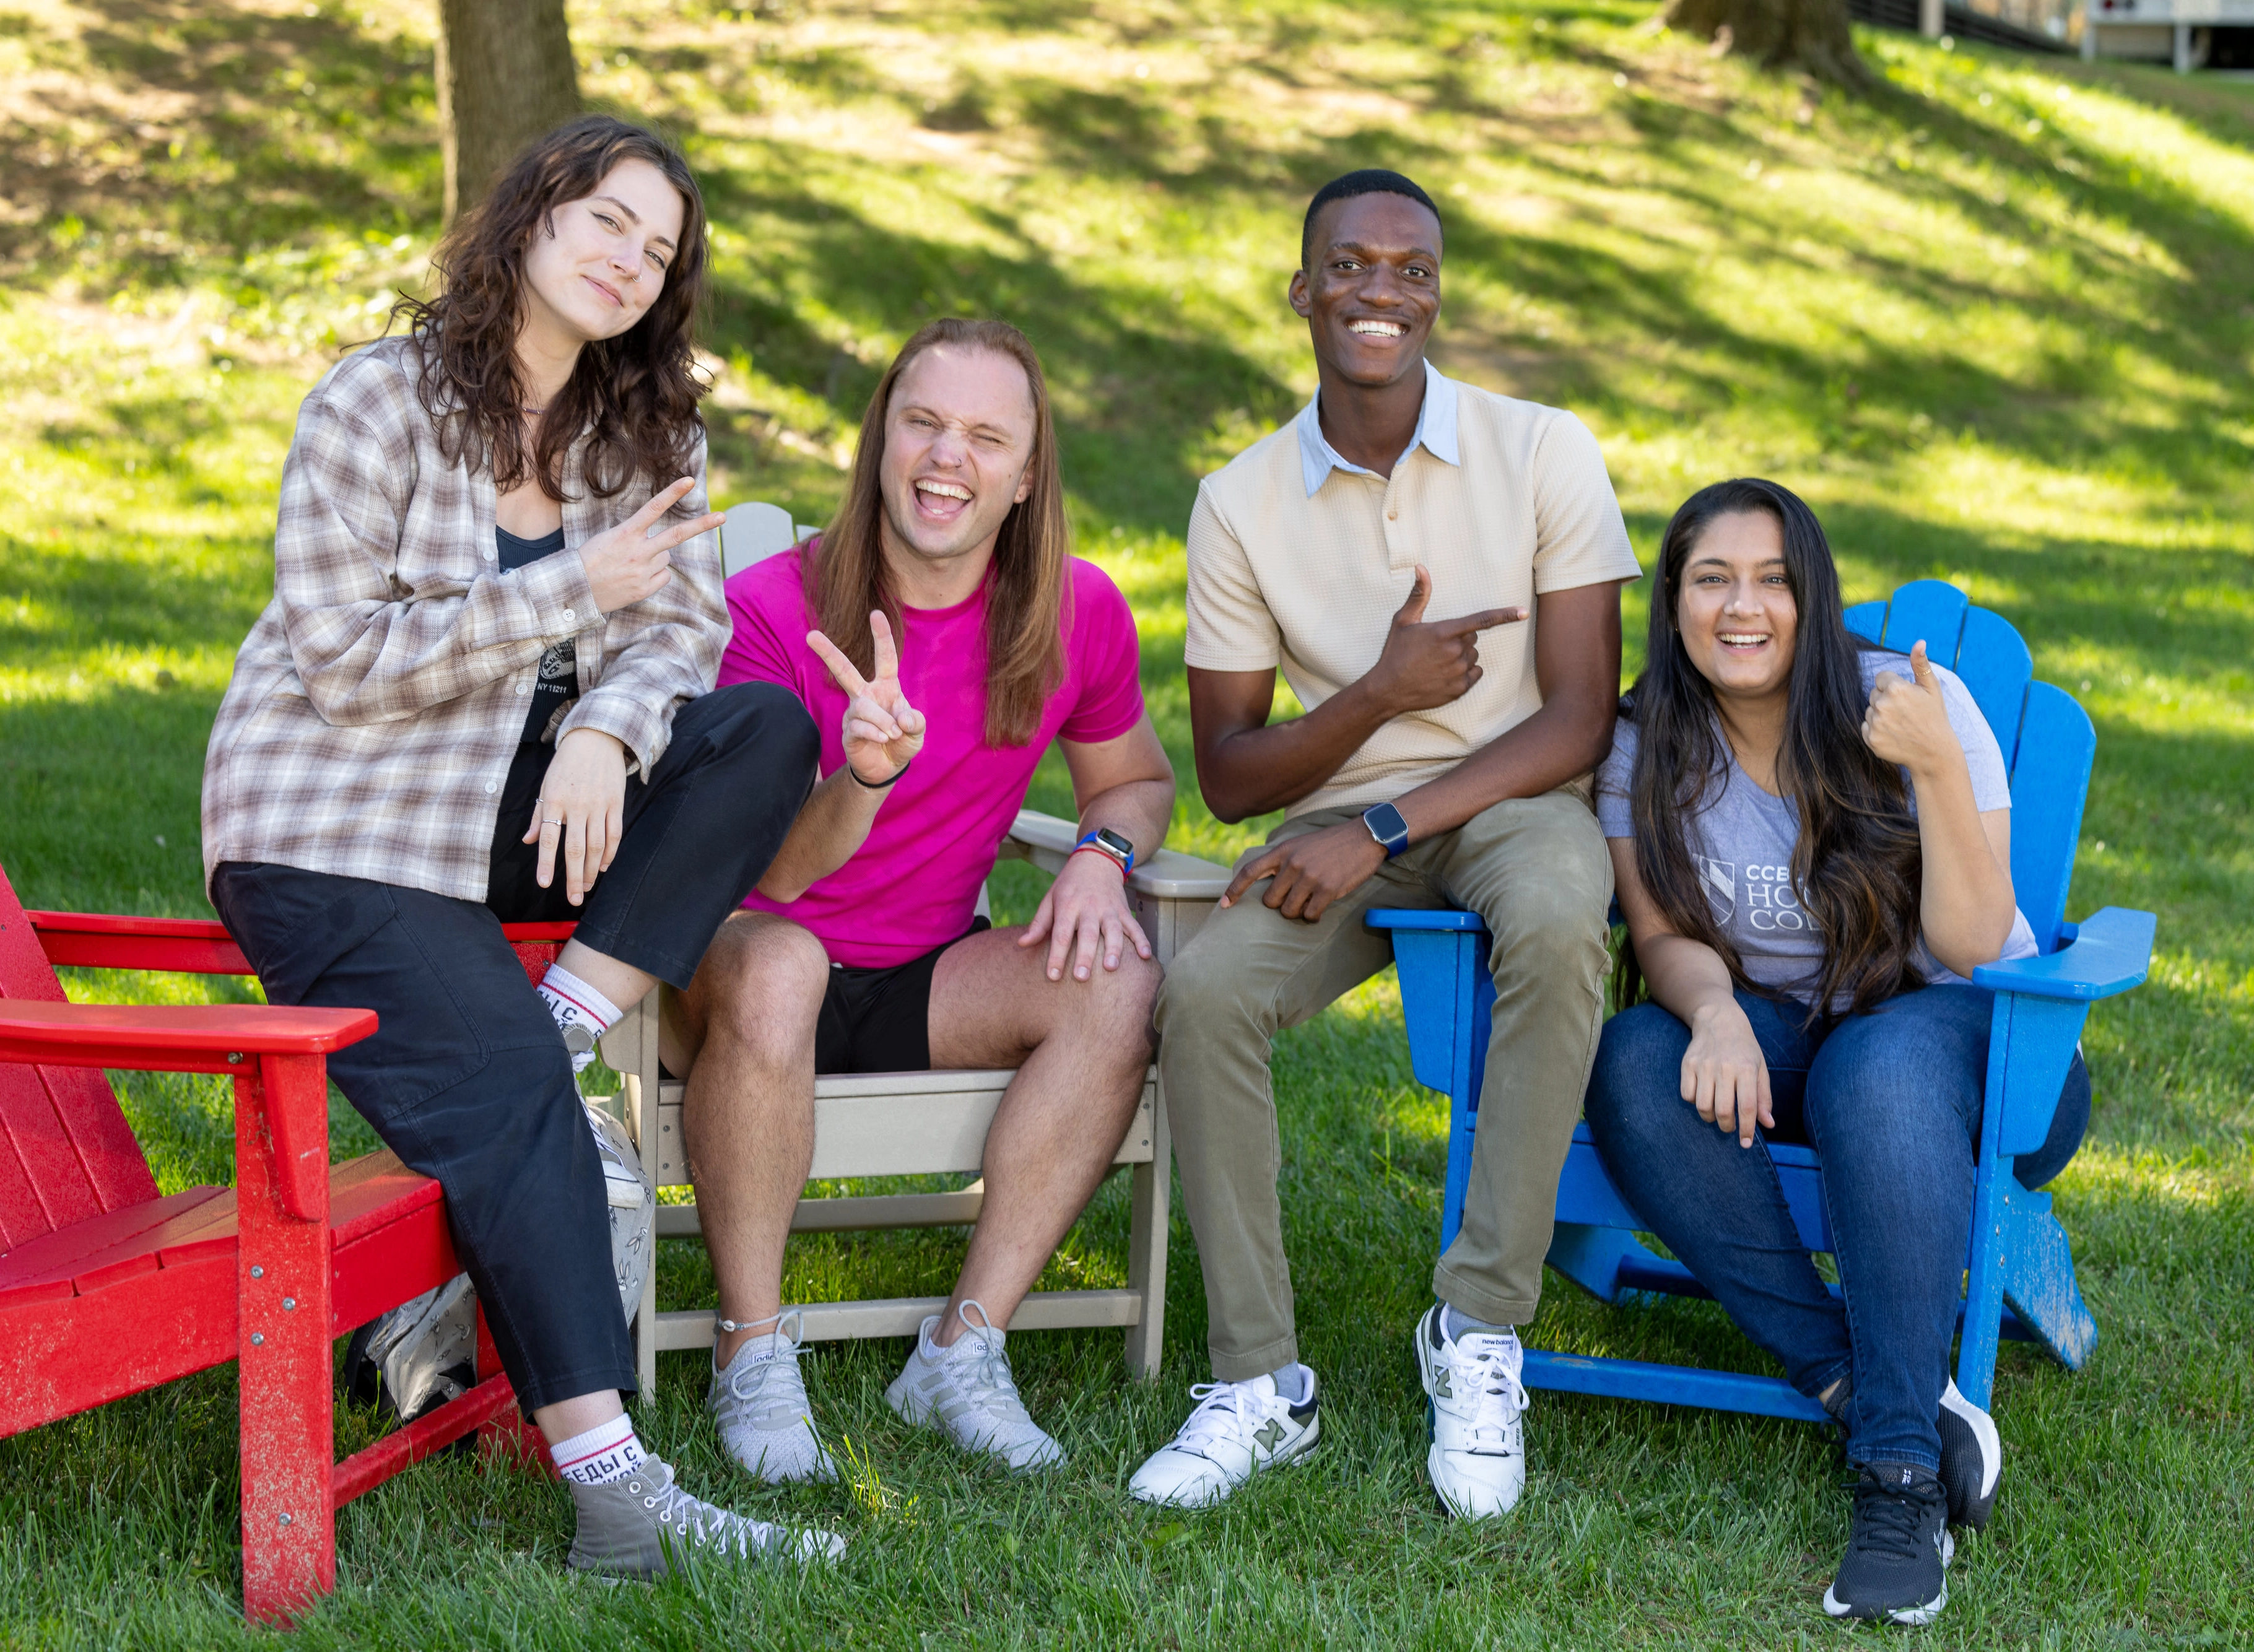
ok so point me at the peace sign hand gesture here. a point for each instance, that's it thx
(882, 731)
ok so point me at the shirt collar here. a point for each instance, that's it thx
(1436, 430)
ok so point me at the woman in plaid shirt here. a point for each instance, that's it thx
(483, 692)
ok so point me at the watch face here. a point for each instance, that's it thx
(1113, 841)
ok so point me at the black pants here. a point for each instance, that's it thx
(467, 1078)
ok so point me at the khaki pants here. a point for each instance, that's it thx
(1535, 868)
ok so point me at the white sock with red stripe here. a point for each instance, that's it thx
(582, 1014)
(600, 1455)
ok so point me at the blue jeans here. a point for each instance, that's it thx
(1892, 1102)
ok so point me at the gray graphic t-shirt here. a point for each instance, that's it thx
(1741, 845)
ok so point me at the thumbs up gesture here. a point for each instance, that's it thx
(1428, 663)
(882, 731)
(1906, 721)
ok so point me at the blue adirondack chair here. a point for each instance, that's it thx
(2020, 1268)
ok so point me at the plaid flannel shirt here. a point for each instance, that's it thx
(378, 702)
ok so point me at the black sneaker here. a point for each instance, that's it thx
(1971, 1459)
(1898, 1553)
(1972, 1453)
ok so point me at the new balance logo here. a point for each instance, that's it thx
(1440, 1388)
(1270, 1436)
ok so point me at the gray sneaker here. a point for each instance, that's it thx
(644, 1526)
(968, 1391)
(760, 1403)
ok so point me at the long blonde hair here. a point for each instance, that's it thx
(1024, 602)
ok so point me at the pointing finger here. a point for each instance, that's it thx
(888, 660)
(663, 500)
(841, 669)
(665, 538)
(1486, 619)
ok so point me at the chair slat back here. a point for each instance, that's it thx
(752, 532)
(1997, 668)
(1928, 610)
(66, 1152)
(2048, 741)
(2050, 783)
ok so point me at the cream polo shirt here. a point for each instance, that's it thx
(1299, 560)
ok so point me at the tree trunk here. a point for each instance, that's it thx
(505, 78)
(1799, 34)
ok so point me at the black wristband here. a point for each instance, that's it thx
(876, 786)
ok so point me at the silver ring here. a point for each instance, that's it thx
(551, 820)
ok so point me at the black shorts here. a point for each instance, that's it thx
(879, 1020)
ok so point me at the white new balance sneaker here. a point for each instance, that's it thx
(759, 1403)
(1478, 1458)
(967, 1392)
(1237, 1430)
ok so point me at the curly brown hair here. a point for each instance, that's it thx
(635, 395)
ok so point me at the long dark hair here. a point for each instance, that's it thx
(1024, 603)
(636, 394)
(1856, 869)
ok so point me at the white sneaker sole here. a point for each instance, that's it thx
(1432, 1471)
(1299, 1452)
(1907, 1617)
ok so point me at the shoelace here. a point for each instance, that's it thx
(993, 1372)
(1224, 1410)
(701, 1522)
(1889, 1520)
(1482, 1369)
(748, 1381)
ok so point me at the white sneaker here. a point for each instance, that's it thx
(967, 1391)
(759, 1403)
(1237, 1430)
(1478, 1459)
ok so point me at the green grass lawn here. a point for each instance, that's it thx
(1994, 321)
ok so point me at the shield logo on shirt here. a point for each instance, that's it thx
(1720, 878)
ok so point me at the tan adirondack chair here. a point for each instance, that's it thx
(921, 1123)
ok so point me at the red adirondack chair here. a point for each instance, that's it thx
(107, 1288)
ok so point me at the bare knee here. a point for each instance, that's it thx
(1119, 1018)
(761, 982)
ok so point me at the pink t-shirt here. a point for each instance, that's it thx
(914, 884)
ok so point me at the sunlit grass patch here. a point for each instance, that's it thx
(1992, 321)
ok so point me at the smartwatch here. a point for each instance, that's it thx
(1108, 843)
(1386, 825)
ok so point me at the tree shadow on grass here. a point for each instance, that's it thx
(1145, 393)
(217, 128)
(80, 824)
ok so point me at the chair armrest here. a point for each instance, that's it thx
(1046, 840)
(170, 1037)
(281, 1045)
(1421, 918)
(2111, 952)
(185, 946)
(121, 941)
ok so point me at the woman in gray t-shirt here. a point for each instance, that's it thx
(1812, 840)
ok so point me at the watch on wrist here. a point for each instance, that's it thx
(1386, 825)
(1113, 846)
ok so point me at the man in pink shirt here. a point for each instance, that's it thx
(860, 949)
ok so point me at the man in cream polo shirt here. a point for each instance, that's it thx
(1436, 571)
